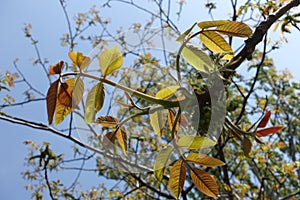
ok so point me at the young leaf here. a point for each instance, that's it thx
(156, 121)
(204, 160)
(204, 182)
(79, 59)
(121, 136)
(246, 146)
(234, 28)
(195, 142)
(61, 111)
(197, 58)
(183, 35)
(264, 121)
(216, 43)
(161, 161)
(209, 24)
(171, 118)
(94, 102)
(51, 99)
(177, 178)
(110, 60)
(107, 121)
(167, 92)
(56, 68)
(268, 131)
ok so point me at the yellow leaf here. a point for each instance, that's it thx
(107, 121)
(204, 182)
(177, 178)
(79, 59)
(161, 161)
(156, 120)
(61, 111)
(204, 160)
(216, 43)
(121, 136)
(195, 142)
(234, 28)
(208, 24)
(167, 92)
(110, 60)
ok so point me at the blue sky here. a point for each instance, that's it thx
(49, 24)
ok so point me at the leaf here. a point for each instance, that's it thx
(107, 121)
(108, 140)
(183, 121)
(204, 160)
(197, 58)
(61, 111)
(177, 178)
(121, 136)
(204, 182)
(264, 121)
(167, 92)
(71, 92)
(246, 146)
(94, 102)
(161, 161)
(156, 121)
(56, 68)
(216, 43)
(183, 35)
(234, 28)
(268, 131)
(77, 92)
(79, 59)
(195, 142)
(110, 60)
(171, 119)
(51, 100)
(208, 24)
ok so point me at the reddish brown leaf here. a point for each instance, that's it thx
(246, 146)
(183, 121)
(268, 131)
(56, 68)
(107, 121)
(109, 140)
(51, 100)
(171, 118)
(264, 121)
(258, 140)
(65, 95)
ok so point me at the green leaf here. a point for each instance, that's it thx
(208, 24)
(94, 102)
(234, 28)
(177, 178)
(51, 99)
(195, 142)
(183, 35)
(216, 43)
(197, 58)
(167, 92)
(204, 182)
(110, 60)
(204, 160)
(161, 161)
(156, 120)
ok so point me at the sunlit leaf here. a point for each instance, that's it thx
(195, 142)
(264, 121)
(79, 59)
(167, 92)
(209, 24)
(197, 58)
(77, 92)
(156, 121)
(246, 146)
(234, 28)
(177, 178)
(121, 136)
(204, 160)
(216, 43)
(71, 92)
(110, 60)
(161, 162)
(186, 33)
(204, 182)
(268, 131)
(107, 121)
(61, 111)
(56, 68)
(94, 102)
(51, 99)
